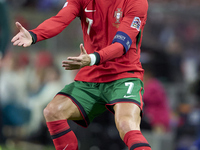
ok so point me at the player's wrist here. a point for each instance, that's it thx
(34, 37)
(95, 58)
(92, 58)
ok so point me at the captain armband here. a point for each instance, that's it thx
(124, 39)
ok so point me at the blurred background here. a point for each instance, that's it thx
(30, 77)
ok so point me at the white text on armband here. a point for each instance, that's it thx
(124, 39)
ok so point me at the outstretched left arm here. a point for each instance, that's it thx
(84, 59)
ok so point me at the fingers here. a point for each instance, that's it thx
(77, 62)
(71, 65)
(78, 59)
(21, 44)
(16, 42)
(25, 45)
(83, 51)
(15, 38)
(19, 26)
(23, 38)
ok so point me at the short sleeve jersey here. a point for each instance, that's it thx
(104, 22)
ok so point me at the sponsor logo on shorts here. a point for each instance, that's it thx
(125, 96)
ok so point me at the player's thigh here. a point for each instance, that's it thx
(127, 117)
(86, 96)
(129, 112)
(126, 100)
(62, 107)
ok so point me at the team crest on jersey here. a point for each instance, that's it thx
(118, 15)
(136, 23)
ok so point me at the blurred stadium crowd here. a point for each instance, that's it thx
(170, 54)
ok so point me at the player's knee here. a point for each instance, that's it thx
(123, 122)
(46, 112)
(127, 123)
(51, 112)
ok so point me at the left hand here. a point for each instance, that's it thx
(81, 61)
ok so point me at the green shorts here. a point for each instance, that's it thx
(92, 99)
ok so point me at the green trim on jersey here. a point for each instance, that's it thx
(138, 38)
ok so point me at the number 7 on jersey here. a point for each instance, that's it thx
(90, 22)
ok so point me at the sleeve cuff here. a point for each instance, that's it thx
(95, 58)
(34, 37)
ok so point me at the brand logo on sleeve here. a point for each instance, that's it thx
(136, 23)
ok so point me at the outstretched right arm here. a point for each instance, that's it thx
(50, 27)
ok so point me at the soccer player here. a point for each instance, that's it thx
(111, 74)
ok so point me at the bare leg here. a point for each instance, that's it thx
(61, 107)
(56, 114)
(127, 119)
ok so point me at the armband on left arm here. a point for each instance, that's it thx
(124, 39)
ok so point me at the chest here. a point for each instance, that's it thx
(103, 15)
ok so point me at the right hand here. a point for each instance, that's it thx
(23, 38)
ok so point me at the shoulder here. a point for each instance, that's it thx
(83, 3)
(136, 2)
(77, 3)
(140, 5)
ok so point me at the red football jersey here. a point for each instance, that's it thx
(104, 22)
